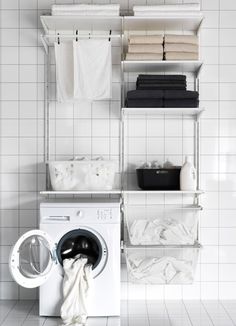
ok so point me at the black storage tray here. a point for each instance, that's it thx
(158, 179)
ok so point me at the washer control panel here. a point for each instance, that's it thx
(104, 214)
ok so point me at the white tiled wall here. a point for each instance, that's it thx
(95, 132)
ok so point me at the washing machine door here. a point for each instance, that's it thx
(32, 259)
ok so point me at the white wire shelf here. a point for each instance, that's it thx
(189, 22)
(162, 66)
(81, 192)
(118, 192)
(163, 111)
(167, 192)
(81, 23)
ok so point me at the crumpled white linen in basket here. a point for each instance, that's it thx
(92, 69)
(158, 231)
(77, 285)
(165, 270)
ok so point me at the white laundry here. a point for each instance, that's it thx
(85, 9)
(64, 71)
(159, 231)
(92, 69)
(161, 270)
(76, 289)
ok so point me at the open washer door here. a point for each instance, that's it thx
(32, 259)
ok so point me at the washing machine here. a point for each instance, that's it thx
(66, 229)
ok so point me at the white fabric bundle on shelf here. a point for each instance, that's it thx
(77, 284)
(86, 10)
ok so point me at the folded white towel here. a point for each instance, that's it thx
(174, 7)
(175, 56)
(168, 14)
(146, 39)
(144, 56)
(84, 7)
(76, 287)
(86, 13)
(92, 69)
(179, 47)
(64, 71)
(145, 48)
(181, 39)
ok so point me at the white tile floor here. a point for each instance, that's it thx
(134, 313)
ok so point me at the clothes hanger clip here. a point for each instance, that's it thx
(76, 32)
(109, 37)
(58, 38)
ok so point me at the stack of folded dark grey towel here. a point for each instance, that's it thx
(156, 91)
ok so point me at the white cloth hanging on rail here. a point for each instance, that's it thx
(92, 69)
(64, 71)
(76, 288)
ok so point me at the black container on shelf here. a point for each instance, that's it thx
(159, 179)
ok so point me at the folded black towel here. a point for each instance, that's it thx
(180, 95)
(184, 103)
(144, 103)
(161, 86)
(145, 94)
(162, 77)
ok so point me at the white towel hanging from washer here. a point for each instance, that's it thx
(92, 69)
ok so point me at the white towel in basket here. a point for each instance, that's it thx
(92, 69)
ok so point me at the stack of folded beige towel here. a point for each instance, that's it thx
(145, 47)
(181, 47)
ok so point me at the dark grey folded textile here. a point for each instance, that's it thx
(180, 95)
(144, 103)
(186, 103)
(162, 77)
(145, 94)
(161, 86)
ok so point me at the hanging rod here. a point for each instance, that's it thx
(48, 36)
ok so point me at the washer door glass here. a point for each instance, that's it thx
(32, 259)
(84, 242)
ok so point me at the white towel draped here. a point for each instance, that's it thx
(92, 69)
(64, 71)
(76, 288)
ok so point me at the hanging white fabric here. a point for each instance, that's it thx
(92, 69)
(76, 290)
(64, 71)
